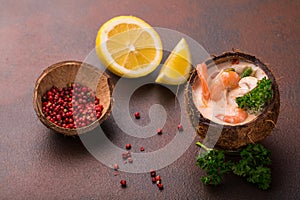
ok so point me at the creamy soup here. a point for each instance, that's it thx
(218, 103)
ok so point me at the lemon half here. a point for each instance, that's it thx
(129, 46)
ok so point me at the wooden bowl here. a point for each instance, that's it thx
(63, 73)
(234, 137)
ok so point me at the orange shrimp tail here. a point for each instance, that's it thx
(203, 70)
(202, 75)
(231, 119)
(240, 116)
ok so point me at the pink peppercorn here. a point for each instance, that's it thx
(160, 186)
(123, 183)
(128, 146)
(137, 115)
(152, 173)
(159, 131)
(116, 167)
(179, 127)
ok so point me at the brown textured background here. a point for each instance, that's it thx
(36, 163)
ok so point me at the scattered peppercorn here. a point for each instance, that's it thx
(158, 178)
(160, 186)
(116, 167)
(153, 180)
(137, 115)
(128, 146)
(179, 127)
(159, 131)
(152, 173)
(116, 173)
(123, 183)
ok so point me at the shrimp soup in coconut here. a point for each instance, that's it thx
(236, 92)
(224, 83)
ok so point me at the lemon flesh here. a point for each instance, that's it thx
(128, 46)
(175, 70)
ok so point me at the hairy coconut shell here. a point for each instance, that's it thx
(234, 137)
(63, 73)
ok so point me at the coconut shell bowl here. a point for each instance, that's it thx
(70, 73)
(226, 136)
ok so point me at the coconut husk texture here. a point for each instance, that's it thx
(234, 137)
(63, 73)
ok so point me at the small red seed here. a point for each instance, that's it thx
(98, 115)
(98, 108)
(137, 115)
(158, 178)
(128, 146)
(49, 93)
(160, 186)
(142, 149)
(152, 173)
(153, 180)
(58, 117)
(116, 167)
(179, 127)
(159, 131)
(123, 183)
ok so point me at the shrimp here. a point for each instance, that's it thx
(230, 79)
(239, 116)
(217, 90)
(202, 75)
(225, 80)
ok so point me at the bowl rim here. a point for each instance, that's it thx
(66, 131)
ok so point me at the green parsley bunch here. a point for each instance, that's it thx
(253, 165)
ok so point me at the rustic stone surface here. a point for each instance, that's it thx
(36, 163)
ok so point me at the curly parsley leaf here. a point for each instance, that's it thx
(252, 165)
(213, 162)
(258, 98)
